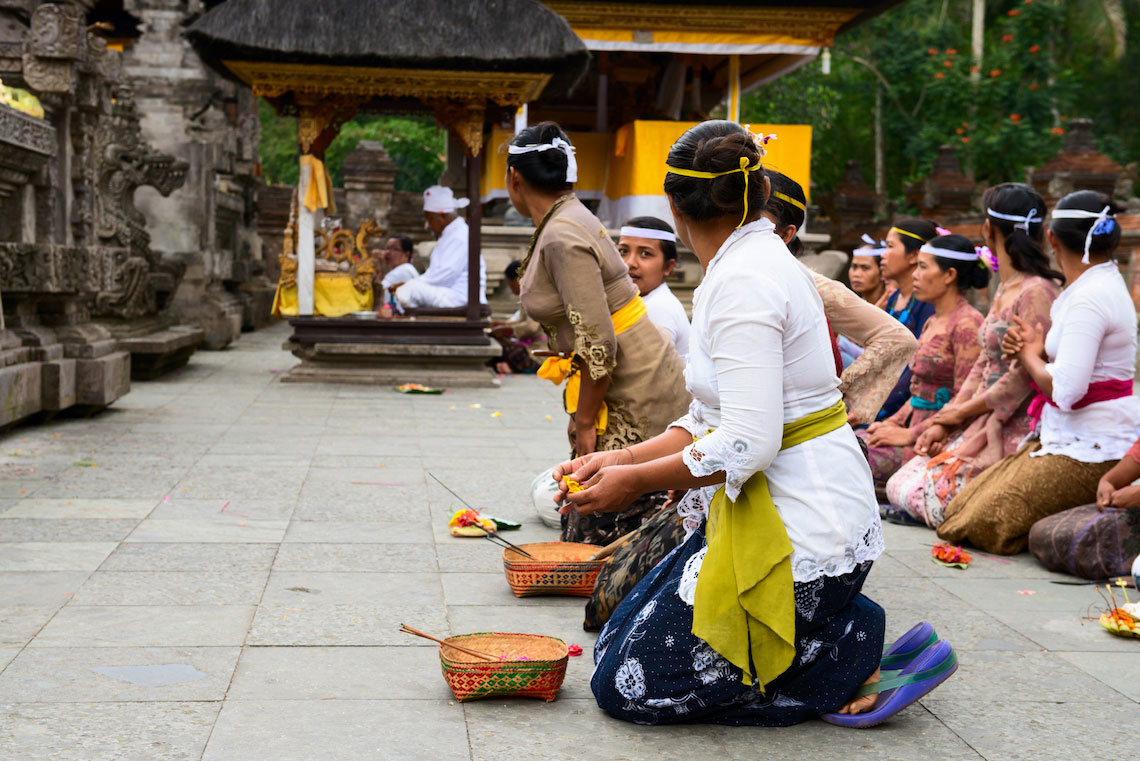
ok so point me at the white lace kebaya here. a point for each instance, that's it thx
(760, 355)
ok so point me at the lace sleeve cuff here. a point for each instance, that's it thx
(712, 455)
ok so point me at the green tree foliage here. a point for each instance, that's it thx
(1045, 62)
(415, 144)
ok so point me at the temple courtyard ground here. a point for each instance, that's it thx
(216, 568)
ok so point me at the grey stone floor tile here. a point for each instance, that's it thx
(983, 566)
(18, 488)
(221, 528)
(1039, 677)
(44, 588)
(106, 731)
(344, 673)
(19, 623)
(492, 589)
(85, 509)
(359, 532)
(147, 626)
(172, 588)
(339, 730)
(506, 729)
(1020, 595)
(1067, 631)
(476, 557)
(1041, 731)
(6, 656)
(914, 734)
(98, 674)
(182, 507)
(1120, 671)
(225, 482)
(35, 530)
(367, 558)
(189, 556)
(365, 461)
(52, 556)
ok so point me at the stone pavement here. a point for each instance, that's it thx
(216, 567)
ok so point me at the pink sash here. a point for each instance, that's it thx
(1100, 391)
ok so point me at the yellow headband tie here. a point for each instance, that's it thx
(900, 231)
(713, 175)
(798, 204)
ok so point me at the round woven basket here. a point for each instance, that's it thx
(529, 665)
(558, 568)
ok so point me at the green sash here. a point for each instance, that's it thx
(745, 604)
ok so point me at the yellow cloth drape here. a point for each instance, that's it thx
(318, 194)
(745, 603)
(334, 295)
(556, 369)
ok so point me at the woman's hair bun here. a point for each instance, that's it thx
(715, 146)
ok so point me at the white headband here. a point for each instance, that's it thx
(1100, 218)
(947, 253)
(557, 143)
(1023, 222)
(645, 232)
(876, 249)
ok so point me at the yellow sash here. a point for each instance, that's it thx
(556, 369)
(745, 603)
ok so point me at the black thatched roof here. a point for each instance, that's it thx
(487, 35)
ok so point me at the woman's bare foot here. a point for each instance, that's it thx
(863, 704)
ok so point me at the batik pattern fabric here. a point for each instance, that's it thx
(913, 314)
(945, 356)
(923, 487)
(651, 669)
(880, 345)
(572, 281)
(996, 510)
(631, 563)
(1087, 542)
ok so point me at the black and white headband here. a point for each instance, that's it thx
(555, 144)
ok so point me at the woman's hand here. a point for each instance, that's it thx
(887, 434)
(582, 469)
(950, 416)
(1011, 343)
(1030, 337)
(1104, 490)
(1127, 497)
(611, 488)
(585, 437)
(931, 441)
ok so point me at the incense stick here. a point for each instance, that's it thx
(405, 629)
(486, 533)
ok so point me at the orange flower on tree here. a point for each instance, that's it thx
(1034, 86)
(1057, 130)
(947, 63)
(960, 131)
(995, 73)
(940, 75)
(1007, 38)
(1015, 118)
(1034, 48)
(1014, 12)
(965, 140)
(951, 51)
(932, 51)
(975, 68)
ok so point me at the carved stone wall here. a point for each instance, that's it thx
(207, 227)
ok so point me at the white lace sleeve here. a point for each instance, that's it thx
(692, 421)
(745, 336)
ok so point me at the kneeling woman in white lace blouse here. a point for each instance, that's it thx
(758, 617)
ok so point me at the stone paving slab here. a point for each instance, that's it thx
(226, 578)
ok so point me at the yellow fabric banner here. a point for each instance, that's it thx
(318, 195)
(745, 601)
(334, 295)
(556, 369)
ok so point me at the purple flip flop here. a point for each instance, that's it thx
(908, 647)
(914, 681)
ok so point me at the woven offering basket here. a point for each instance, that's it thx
(558, 568)
(532, 666)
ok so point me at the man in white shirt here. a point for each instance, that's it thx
(648, 247)
(444, 285)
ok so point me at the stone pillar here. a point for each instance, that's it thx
(369, 181)
(944, 194)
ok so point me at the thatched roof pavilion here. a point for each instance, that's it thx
(323, 62)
